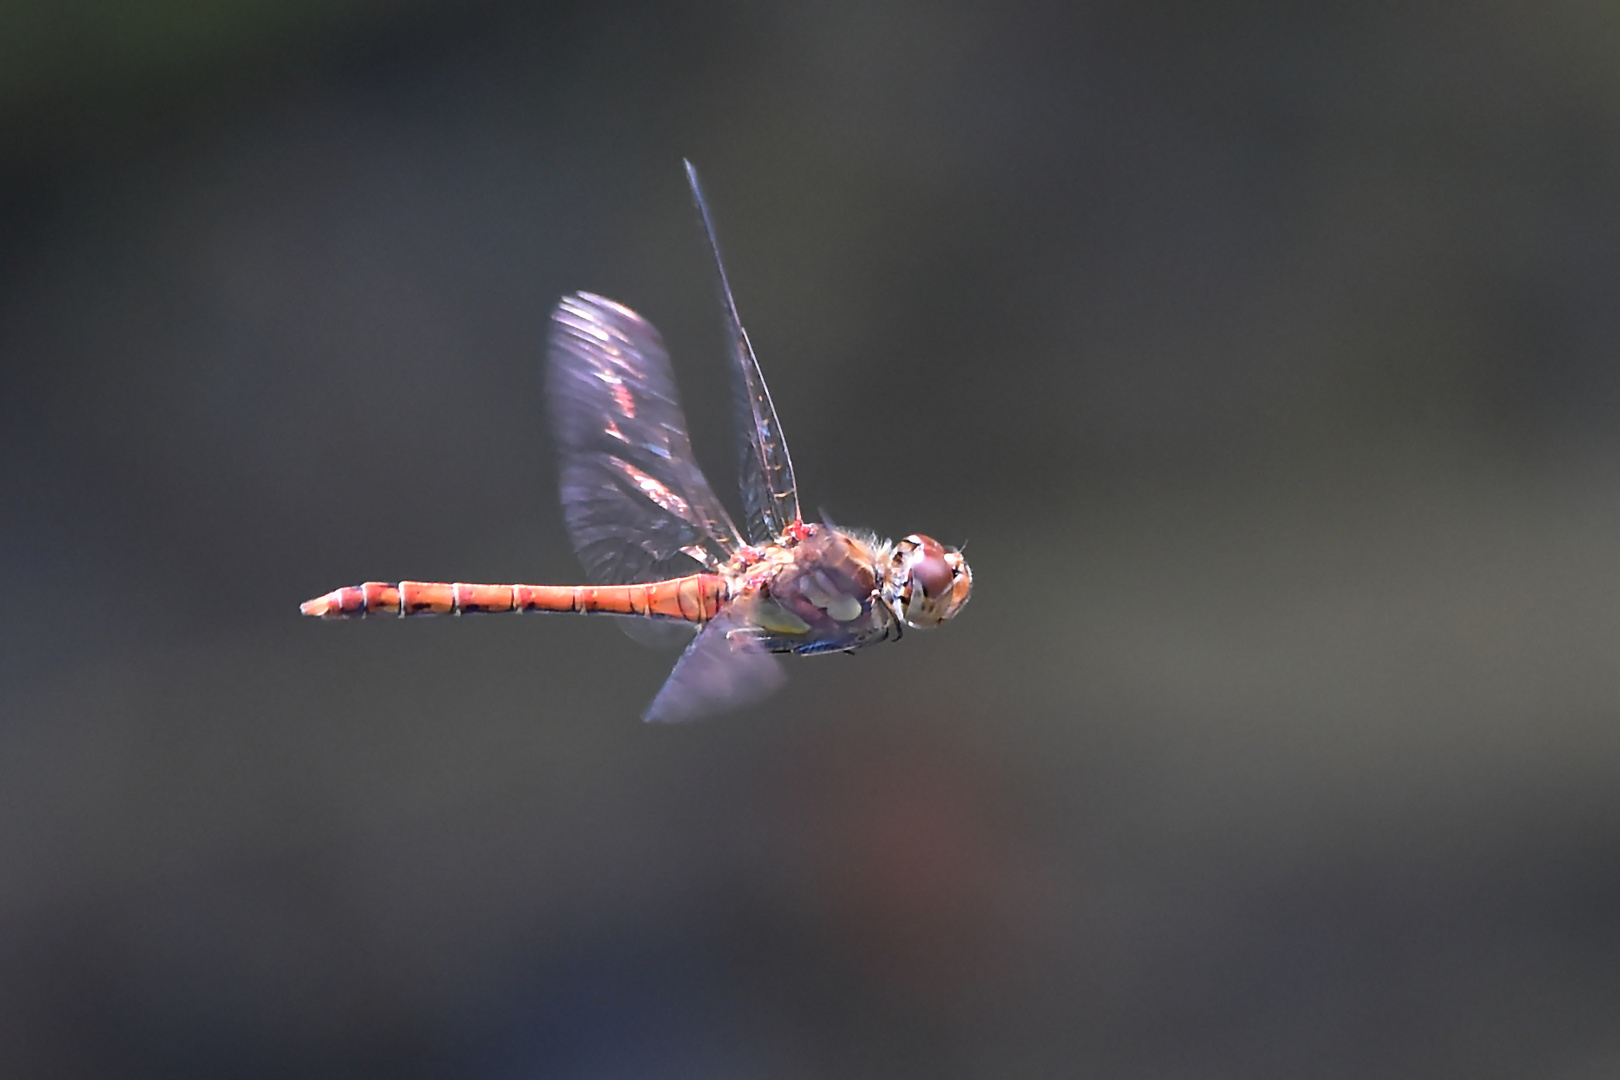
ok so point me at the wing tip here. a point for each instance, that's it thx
(599, 313)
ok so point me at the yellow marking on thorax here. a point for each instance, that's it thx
(778, 619)
(843, 608)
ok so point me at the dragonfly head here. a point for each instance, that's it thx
(934, 581)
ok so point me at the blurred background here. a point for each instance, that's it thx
(1263, 354)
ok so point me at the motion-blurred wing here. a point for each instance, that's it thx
(770, 495)
(636, 504)
(725, 667)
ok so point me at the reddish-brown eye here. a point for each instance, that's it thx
(930, 570)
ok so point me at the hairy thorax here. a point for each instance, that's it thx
(818, 593)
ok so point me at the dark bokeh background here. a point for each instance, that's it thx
(1264, 354)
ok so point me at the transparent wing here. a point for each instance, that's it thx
(636, 504)
(725, 667)
(664, 635)
(770, 495)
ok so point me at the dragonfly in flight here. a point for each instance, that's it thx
(658, 545)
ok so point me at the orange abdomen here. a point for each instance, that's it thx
(695, 599)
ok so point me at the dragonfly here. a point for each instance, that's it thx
(657, 545)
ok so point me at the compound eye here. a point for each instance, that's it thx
(929, 570)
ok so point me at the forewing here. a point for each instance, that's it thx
(770, 494)
(725, 667)
(636, 504)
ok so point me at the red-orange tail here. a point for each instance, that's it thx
(691, 599)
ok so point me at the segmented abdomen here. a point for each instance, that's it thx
(695, 599)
